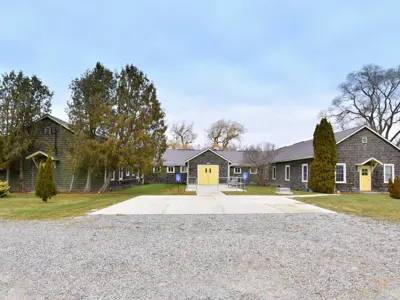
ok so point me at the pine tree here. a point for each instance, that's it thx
(45, 186)
(395, 189)
(322, 170)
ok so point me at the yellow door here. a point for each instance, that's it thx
(365, 178)
(202, 175)
(207, 174)
(213, 174)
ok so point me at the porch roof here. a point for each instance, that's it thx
(39, 153)
(372, 159)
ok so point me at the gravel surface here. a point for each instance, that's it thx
(275, 256)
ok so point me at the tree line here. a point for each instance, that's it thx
(116, 117)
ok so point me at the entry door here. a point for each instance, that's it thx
(208, 174)
(365, 178)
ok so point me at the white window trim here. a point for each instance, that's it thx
(182, 170)
(121, 172)
(156, 171)
(234, 170)
(253, 173)
(173, 169)
(286, 173)
(128, 173)
(113, 176)
(302, 173)
(384, 169)
(344, 173)
(273, 172)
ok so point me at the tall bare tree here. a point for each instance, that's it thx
(260, 157)
(183, 135)
(370, 96)
(223, 132)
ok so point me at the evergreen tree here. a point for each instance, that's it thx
(322, 170)
(390, 185)
(45, 186)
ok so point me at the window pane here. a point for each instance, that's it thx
(388, 173)
(339, 173)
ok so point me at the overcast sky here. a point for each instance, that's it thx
(271, 65)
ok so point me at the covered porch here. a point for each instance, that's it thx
(366, 170)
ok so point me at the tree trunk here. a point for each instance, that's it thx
(88, 181)
(8, 175)
(21, 174)
(106, 183)
(72, 182)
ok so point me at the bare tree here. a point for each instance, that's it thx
(370, 96)
(183, 135)
(223, 132)
(261, 157)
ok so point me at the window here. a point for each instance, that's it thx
(253, 170)
(388, 172)
(274, 173)
(287, 173)
(170, 169)
(127, 173)
(364, 140)
(183, 169)
(121, 174)
(113, 176)
(156, 169)
(304, 173)
(340, 173)
(237, 170)
(47, 131)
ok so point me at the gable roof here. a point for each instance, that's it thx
(64, 124)
(179, 157)
(215, 152)
(305, 150)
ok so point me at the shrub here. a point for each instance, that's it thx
(45, 187)
(390, 185)
(395, 189)
(4, 189)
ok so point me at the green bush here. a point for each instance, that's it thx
(4, 189)
(45, 187)
(395, 189)
(322, 169)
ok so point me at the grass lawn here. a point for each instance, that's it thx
(263, 190)
(377, 206)
(19, 206)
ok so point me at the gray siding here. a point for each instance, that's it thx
(209, 158)
(352, 151)
(295, 182)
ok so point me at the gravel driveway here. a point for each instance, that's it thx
(281, 256)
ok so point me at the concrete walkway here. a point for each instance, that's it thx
(209, 190)
(209, 205)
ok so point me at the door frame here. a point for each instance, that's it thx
(370, 178)
(198, 167)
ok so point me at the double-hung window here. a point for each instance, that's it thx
(237, 170)
(304, 173)
(170, 169)
(121, 174)
(388, 172)
(274, 173)
(340, 173)
(253, 170)
(183, 169)
(287, 172)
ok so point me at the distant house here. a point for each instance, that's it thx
(365, 162)
(204, 167)
(56, 134)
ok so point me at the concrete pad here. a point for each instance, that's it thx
(209, 205)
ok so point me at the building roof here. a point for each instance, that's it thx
(179, 157)
(64, 124)
(301, 150)
(305, 149)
